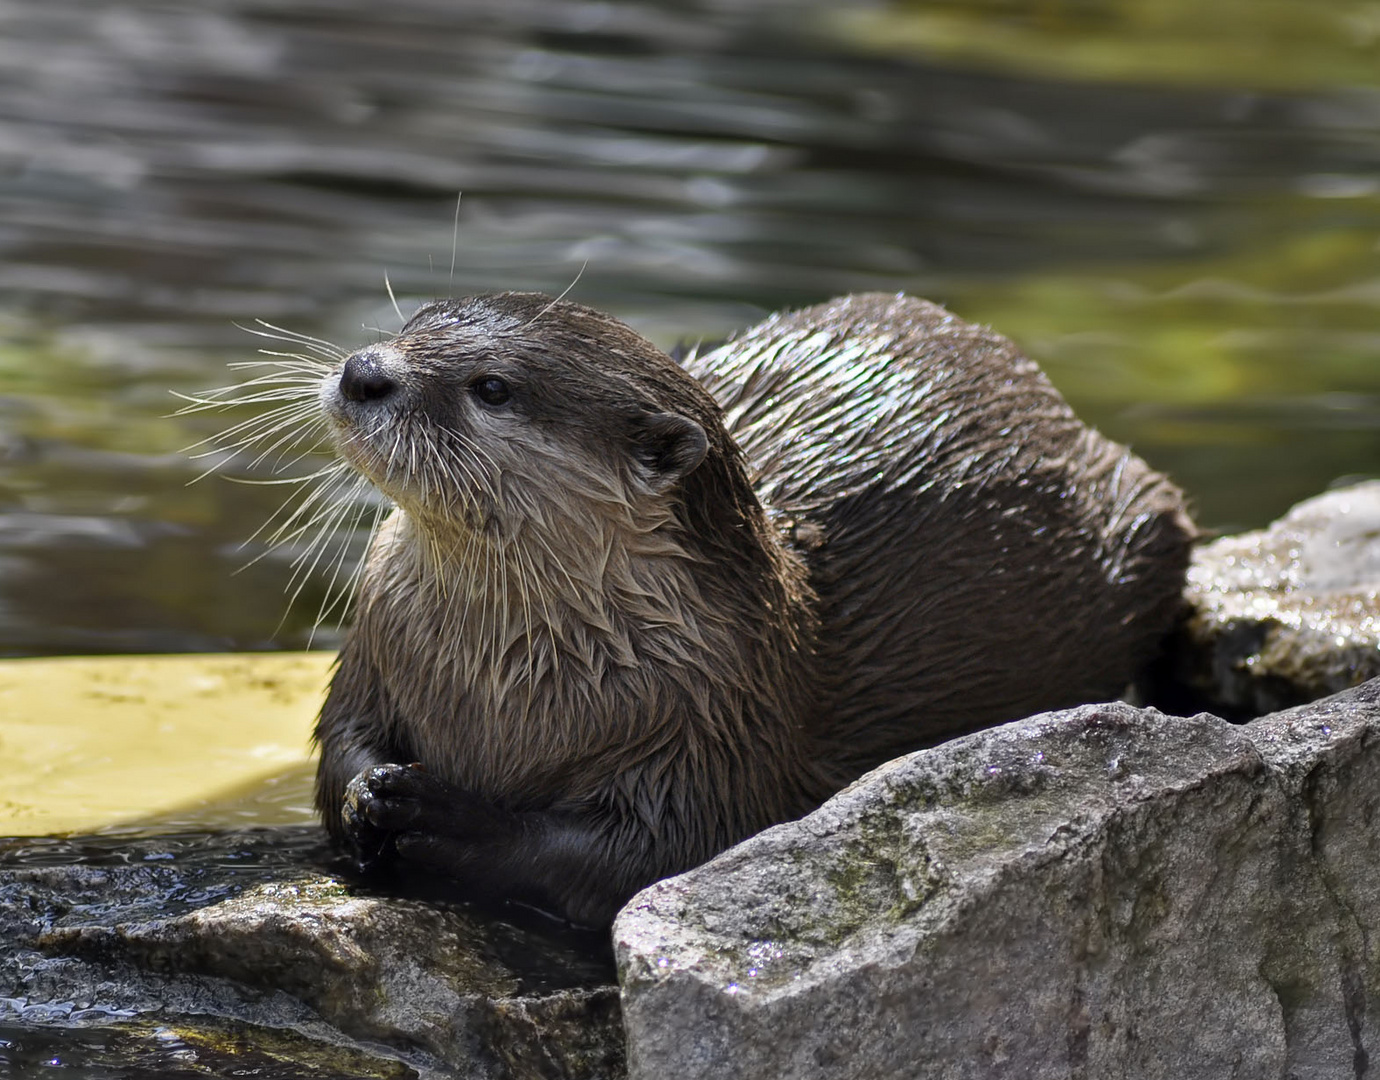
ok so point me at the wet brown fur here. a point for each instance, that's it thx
(978, 553)
(573, 620)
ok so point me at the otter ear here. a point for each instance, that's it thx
(669, 445)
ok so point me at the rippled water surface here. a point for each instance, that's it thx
(1188, 246)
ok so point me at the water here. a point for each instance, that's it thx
(1191, 253)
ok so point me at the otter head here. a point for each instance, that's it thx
(517, 419)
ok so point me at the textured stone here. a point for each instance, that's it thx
(1285, 615)
(1103, 892)
(243, 928)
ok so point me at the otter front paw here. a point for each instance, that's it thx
(364, 817)
(398, 808)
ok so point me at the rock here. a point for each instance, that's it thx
(192, 1047)
(1102, 892)
(243, 927)
(1285, 615)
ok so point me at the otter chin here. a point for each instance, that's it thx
(627, 612)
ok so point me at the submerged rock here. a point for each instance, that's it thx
(1102, 892)
(242, 928)
(1285, 615)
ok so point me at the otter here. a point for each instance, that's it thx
(628, 611)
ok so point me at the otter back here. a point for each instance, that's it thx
(978, 553)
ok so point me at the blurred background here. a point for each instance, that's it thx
(1174, 206)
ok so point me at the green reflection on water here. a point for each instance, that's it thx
(1253, 377)
(1238, 43)
(108, 542)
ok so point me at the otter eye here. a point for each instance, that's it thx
(491, 390)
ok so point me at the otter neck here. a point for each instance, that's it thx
(556, 646)
(616, 584)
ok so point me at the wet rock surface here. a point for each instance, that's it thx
(168, 952)
(1284, 615)
(1102, 892)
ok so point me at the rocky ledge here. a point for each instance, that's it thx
(1285, 615)
(1103, 892)
(235, 954)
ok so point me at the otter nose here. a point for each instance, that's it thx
(363, 378)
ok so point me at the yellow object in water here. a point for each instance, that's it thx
(195, 740)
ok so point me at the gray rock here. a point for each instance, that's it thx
(1103, 892)
(1285, 615)
(239, 929)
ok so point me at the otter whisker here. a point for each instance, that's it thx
(289, 435)
(200, 404)
(476, 475)
(293, 524)
(304, 564)
(337, 597)
(283, 462)
(392, 456)
(251, 481)
(454, 243)
(287, 361)
(268, 423)
(473, 476)
(233, 448)
(321, 516)
(558, 299)
(258, 480)
(328, 349)
(223, 455)
(275, 386)
(421, 468)
(303, 572)
(412, 458)
(205, 401)
(391, 298)
(346, 592)
(451, 561)
(320, 353)
(290, 363)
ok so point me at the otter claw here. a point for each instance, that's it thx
(369, 844)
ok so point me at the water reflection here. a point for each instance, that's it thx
(1196, 267)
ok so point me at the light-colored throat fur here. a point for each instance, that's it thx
(562, 635)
